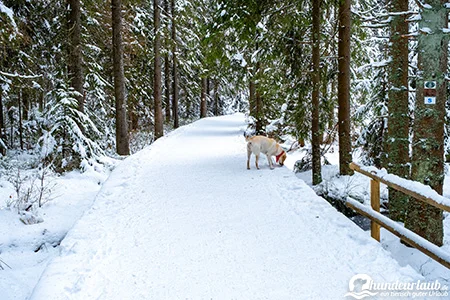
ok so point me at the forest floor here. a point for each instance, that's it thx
(184, 219)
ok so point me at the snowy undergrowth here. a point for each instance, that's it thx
(26, 249)
(357, 186)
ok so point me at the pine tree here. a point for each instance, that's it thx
(157, 90)
(122, 142)
(398, 106)
(203, 99)
(75, 50)
(175, 86)
(315, 129)
(345, 145)
(429, 120)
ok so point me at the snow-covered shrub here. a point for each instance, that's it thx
(32, 189)
(69, 135)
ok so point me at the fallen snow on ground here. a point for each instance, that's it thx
(25, 250)
(358, 187)
(184, 219)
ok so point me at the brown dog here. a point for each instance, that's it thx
(261, 144)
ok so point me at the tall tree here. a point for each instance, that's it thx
(157, 90)
(167, 71)
(345, 143)
(2, 125)
(75, 51)
(398, 106)
(216, 97)
(315, 128)
(122, 140)
(259, 124)
(203, 102)
(429, 120)
(175, 87)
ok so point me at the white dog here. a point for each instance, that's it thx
(261, 144)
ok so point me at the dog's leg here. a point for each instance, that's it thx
(256, 161)
(269, 160)
(249, 154)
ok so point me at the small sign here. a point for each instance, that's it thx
(429, 85)
(430, 100)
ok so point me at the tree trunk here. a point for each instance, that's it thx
(345, 143)
(252, 97)
(175, 95)
(167, 70)
(429, 120)
(2, 120)
(216, 97)
(75, 54)
(259, 126)
(122, 141)
(203, 103)
(315, 130)
(167, 88)
(2, 124)
(19, 100)
(398, 106)
(157, 91)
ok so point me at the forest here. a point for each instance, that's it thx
(83, 79)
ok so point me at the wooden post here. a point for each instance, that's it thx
(418, 242)
(375, 203)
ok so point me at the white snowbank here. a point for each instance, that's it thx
(184, 219)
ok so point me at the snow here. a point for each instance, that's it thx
(439, 252)
(9, 13)
(27, 249)
(240, 57)
(426, 30)
(415, 186)
(184, 219)
(358, 187)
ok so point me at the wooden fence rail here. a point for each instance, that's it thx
(378, 219)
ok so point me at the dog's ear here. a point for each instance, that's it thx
(247, 135)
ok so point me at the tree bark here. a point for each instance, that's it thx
(167, 71)
(19, 100)
(252, 97)
(2, 120)
(2, 124)
(398, 106)
(259, 126)
(175, 87)
(203, 103)
(345, 143)
(75, 68)
(315, 130)
(216, 97)
(157, 89)
(122, 140)
(429, 120)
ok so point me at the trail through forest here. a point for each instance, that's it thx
(185, 219)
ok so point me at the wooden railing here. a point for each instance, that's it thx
(403, 233)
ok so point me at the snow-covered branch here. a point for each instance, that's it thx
(10, 75)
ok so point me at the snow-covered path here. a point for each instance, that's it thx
(184, 219)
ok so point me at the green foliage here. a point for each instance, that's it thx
(69, 135)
